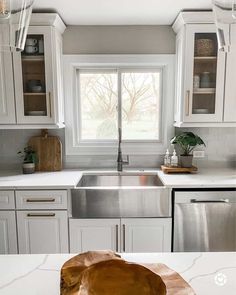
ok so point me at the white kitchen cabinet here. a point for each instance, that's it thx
(37, 88)
(7, 102)
(7, 200)
(200, 99)
(8, 236)
(141, 235)
(94, 234)
(124, 235)
(41, 199)
(42, 232)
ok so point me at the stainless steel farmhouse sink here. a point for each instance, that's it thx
(120, 180)
(117, 195)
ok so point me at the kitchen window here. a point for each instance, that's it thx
(107, 92)
(127, 98)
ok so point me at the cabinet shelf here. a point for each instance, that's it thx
(205, 58)
(34, 93)
(204, 91)
(37, 58)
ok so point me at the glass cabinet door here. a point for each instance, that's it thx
(34, 81)
(204, 75)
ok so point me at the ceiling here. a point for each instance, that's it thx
(119, 12)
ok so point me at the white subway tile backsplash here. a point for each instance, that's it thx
(220, 148)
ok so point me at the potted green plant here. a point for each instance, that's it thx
(187, 141)
(30, 160)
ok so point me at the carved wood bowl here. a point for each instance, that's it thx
(105, 273)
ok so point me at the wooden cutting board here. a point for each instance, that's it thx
(74, 269)
(167, 170)
(48, 149)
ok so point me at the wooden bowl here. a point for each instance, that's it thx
(106, 273)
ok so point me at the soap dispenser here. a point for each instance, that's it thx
(174, 159)
(167, 160)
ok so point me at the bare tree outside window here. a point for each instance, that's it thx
(140, 101)
(140, 106)
(98, 93)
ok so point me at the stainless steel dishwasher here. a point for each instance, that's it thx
(204, 220)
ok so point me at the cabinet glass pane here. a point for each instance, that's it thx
(204, 75)
(33, 71)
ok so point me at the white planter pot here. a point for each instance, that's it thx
(28, 168)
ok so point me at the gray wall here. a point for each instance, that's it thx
(119, 40)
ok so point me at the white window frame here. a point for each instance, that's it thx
(162, 62)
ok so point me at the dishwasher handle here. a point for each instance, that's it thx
(209, 201)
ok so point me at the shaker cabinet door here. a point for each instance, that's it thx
(8, 237)
(42, 232)
(146, 235)
(7, 99)
(94, 234)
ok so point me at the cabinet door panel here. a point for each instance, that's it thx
(204, 75)
(42, 232)
(141, 235)
(8, 238)
(94, 234)
(34, 70)
(7, 98)
(7, 200)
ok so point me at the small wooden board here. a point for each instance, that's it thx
(48, 149)
(73, 270)
(166, 169)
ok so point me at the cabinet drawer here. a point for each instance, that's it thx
(42, 232)
(41, 199)
(7, 200)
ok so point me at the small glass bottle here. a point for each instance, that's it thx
(174, 159)
(167, 160)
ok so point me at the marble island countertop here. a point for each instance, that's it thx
(66, 179)
(207, 273)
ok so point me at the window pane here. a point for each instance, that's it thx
(140, 105)
(98, 99)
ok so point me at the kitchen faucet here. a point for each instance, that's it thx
(120, 161)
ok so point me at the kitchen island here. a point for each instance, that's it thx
(207, 273)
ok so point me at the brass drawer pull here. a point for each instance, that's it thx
(117, 238)
(187, 102)
(123, 237)
(50, 104)
(41, 215)
(35, 200)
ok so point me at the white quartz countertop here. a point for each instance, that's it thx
(207, 273)
(40, 180)
(69, 178)
(218, 177)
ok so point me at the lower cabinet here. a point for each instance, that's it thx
(42, 232)
(121, 235)
(141, 235)
(94, 234)
(8, 237)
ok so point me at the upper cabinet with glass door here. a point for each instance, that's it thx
(38, 74)
(34, 85)
(204, 75)
(200, 71)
